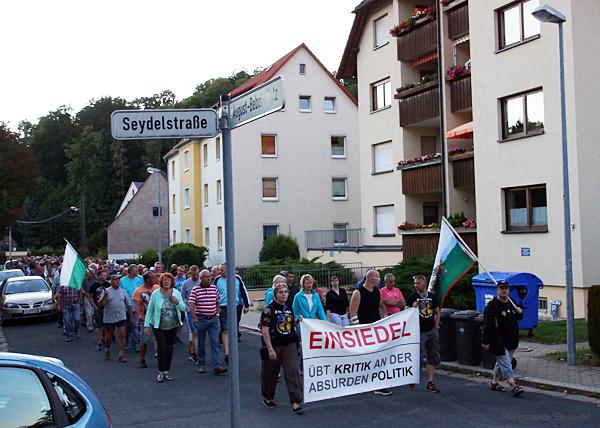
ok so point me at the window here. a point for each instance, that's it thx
(329, 105)
(383, 158)
(186, 160)
(526, 208)
(72, 403)
(218, 148)
(24, 399)
(219, 238)
(269, 188)
(338, 146)
(188, 235)
(270, 230)
(304, 101)
(517, 24)
(205, 154)
(206, 237)
(340, 233)
(186, 197)
(268, 146)
(428, 145)
(302, 68)
(381, 95)
(172, 170)
(173, 203)
(380, 31)
(339, 188)
(205, 194)
(431, 212)
(543, 304)
(219, 192)
(522, 115)
(384, 220)
(174, 241)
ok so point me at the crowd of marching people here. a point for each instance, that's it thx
(138, 306)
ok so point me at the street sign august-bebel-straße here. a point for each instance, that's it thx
(171, 123)
(256, 103)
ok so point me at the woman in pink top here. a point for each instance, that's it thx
(391, 296)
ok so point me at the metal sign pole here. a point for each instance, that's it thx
(234, 379)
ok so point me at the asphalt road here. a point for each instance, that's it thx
(133, 398)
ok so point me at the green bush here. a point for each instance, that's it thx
(593, 308)
(47, 251)
(261, 275)
(148, 257)
(279, 247)
(462, 295)
(185, 253)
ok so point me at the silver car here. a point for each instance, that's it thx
(26, 296)
(9, 273)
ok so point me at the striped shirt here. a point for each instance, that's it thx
(205, 299)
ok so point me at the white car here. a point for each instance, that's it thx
(26, 296)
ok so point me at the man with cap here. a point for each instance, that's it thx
(116, 306)
(501, 336)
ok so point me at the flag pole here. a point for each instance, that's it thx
(474, 256)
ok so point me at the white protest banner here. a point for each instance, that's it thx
(342, 361)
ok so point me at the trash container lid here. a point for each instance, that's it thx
(465, 315)
(446, 312)
(512, 278)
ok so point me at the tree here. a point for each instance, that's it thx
(18, 174)
(184, 253)
(209, 92)
(279, 247)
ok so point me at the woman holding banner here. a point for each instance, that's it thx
(279, 349)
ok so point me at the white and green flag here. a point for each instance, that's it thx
(452, 261)
(73, 269)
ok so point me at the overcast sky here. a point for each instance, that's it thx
(66, 52)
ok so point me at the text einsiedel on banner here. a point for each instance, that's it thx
(342, 361)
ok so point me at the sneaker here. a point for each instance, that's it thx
(432, 387)
(143, 364)
(383, 391)
(220, 371)
(160, 378)
(122, 359)
(298, 410)
(167, 376)
(99, 347)
(192, 357)
(269, 404)
(201, 370)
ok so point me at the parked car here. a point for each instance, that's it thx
(42, 392)
(9, 273)
(26, 296)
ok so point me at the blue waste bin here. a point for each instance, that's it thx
(524, 291)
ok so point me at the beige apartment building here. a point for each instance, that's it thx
(480, 139)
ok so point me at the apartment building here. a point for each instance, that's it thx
(433, 144)
(295, 172)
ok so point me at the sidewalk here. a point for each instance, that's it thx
(532, 369)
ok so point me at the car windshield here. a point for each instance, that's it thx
(10, 274)
(26, 286)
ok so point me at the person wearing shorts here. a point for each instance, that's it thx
(95, 293)
(117, 310)
(141, 298)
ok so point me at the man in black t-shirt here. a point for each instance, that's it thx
(95, 293)
(429, 319)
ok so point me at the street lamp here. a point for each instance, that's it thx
(152, 170)
(545, 13)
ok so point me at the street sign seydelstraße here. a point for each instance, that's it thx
(171, 123)
(258, 102)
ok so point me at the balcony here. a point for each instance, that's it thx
(418, 41)
(419, 104)
(333, 239)
(424, 177)
(460, 92)
(424, 242)
(463, 167)
(458, 19)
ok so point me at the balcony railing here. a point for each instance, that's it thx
(333, 239)
(458, 20)
(422, 243)
(463, 167)
(423, 177)
(419, 41)
(419, 104)
(460, 92)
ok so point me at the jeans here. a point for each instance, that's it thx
(71, 319)
(341, 320)
(165, 339)
(133, 338)
(503, 365)
(210, 326)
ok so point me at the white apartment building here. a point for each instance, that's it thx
(500, 138)
(296, 171)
